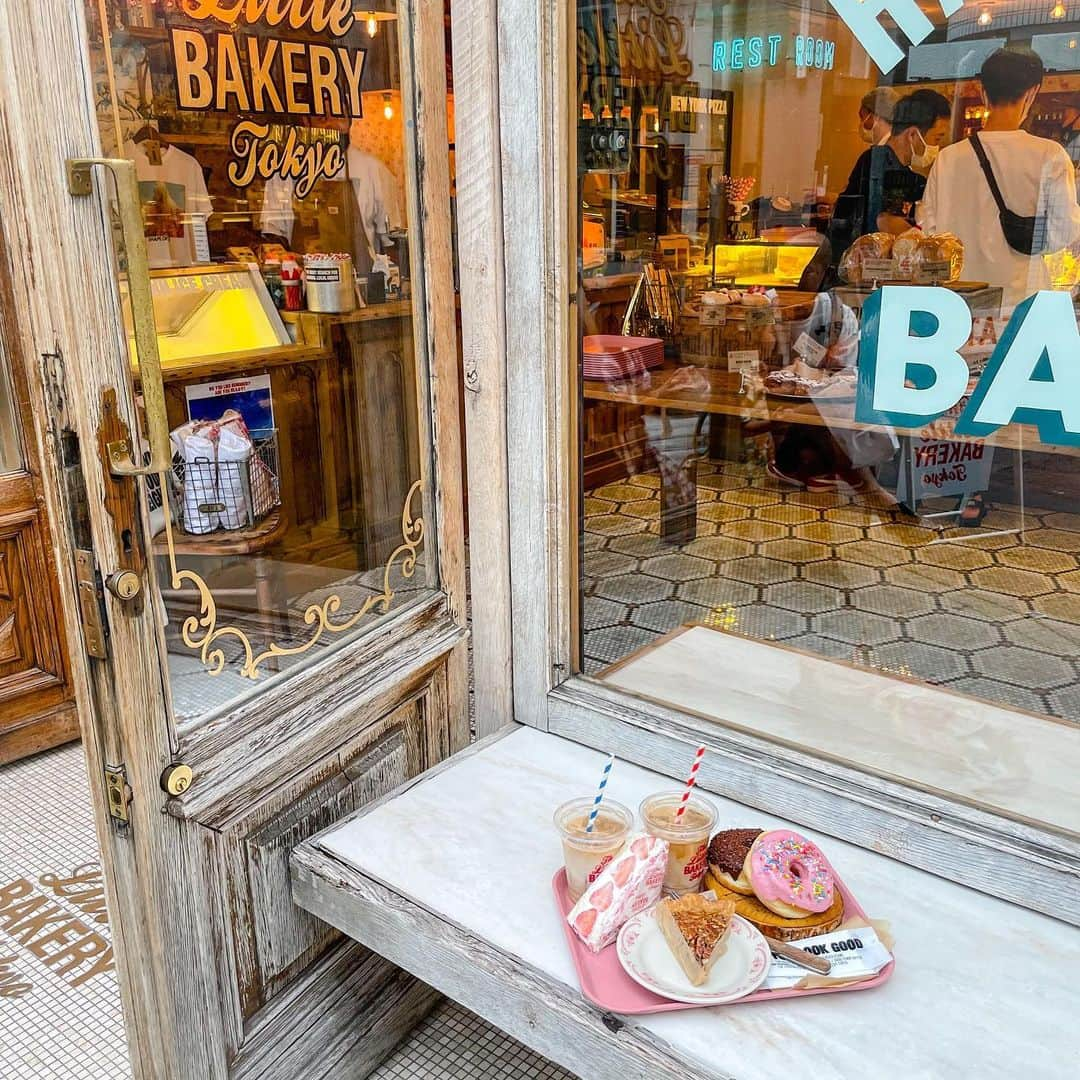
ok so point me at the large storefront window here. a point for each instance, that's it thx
(274, 174)
(828, 369)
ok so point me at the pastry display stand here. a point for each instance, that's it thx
(449, 877)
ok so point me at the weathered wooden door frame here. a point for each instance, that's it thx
(58, 265)
(522, 403)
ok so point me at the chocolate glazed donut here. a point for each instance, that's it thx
(727, 854)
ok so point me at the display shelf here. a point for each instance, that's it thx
(234, 363)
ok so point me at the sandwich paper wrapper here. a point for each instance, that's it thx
(629, 884)
(855, 952)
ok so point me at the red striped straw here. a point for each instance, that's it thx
(690, 781)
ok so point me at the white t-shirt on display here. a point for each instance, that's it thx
(376, 197)
(1036, 178)
(172, 194)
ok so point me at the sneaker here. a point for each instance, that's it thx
(777, 473)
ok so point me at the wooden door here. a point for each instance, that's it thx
(36, 702)
(246, 670)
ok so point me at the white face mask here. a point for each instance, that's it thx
(867, 133)
(922, 160)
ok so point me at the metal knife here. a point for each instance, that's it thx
(818, 964)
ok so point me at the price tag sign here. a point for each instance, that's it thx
(879, 270)
(743, 360)
(930, 273)
(757, 317)
(813, 352)
(713, 314)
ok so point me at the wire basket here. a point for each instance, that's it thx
(207, 495)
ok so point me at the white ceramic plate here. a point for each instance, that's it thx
(646, 958)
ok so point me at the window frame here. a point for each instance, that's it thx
(522, 422)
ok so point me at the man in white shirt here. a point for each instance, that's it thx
(1035, 176)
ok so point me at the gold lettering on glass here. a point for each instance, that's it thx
(204, 635)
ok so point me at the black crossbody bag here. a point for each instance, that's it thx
(1019, 231)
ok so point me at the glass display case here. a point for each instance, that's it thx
(761, 262)
(206, 311)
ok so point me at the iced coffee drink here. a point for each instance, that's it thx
(587, 853)
(687, 835)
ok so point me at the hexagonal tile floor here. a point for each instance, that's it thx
(994, 616)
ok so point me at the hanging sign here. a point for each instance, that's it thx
(220, 67)
(761, 50)
(911, 371)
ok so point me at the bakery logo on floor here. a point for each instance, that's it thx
(911, 370)
(59, 921)
(222, 69)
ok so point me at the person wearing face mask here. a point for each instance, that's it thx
(926, 144)
(1034, 176)
(875, 115)
(885, 185)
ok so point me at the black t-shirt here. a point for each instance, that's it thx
(880, 183)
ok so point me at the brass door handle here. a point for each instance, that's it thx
(142, 313)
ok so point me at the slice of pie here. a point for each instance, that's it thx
(696, 929)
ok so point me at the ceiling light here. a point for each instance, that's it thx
(372, 17)
(387, 107)
(985, 18)
(1058, 11)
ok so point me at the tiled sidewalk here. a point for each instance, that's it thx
(60, 1024)
(56, 1022)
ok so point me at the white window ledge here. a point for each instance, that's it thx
(1002, 760)
(451, 880)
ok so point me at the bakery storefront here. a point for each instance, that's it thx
(787, 589)
(752, 327)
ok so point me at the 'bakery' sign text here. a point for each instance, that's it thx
(911, 370)
(221, 68)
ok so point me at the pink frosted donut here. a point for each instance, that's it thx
(789, 874)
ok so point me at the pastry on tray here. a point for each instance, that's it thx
(696, 927)
(630, 883)
(790, 874)
(727, 855)
(776, 926)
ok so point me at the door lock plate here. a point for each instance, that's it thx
(90, 597)
(118, 793)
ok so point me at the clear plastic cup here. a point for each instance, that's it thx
(586, 854)
(688, 836)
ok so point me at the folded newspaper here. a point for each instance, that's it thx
(856, 953)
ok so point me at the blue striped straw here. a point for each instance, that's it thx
(600, 794)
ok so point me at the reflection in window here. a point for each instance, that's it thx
(273, 168)
(749, 180)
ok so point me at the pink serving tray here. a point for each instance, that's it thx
(605, 984)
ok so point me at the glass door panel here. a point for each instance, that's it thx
(272, 173)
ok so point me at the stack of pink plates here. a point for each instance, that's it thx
(610, 356)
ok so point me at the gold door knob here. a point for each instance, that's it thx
(176, 779)
(123, 584)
